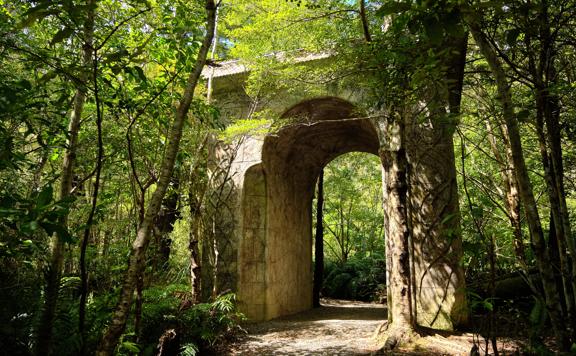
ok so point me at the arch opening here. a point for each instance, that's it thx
(352, 234)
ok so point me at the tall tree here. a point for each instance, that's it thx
(44, 337)
(395, 163)
(525, 185)
(136, 263)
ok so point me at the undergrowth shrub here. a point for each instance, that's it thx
(360, 278)
(19, 300)
(195, 327)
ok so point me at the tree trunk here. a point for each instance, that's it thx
(195, 267)
(136, 263)
(44, 335)
(364, 20)
(554, 259)
(319, 243)
(88, 230)
(195, 204)
(512, 199)
(138, 306)
(544, 76)
(526, 193)
(559, 233)
(395, 165)
(164, 224)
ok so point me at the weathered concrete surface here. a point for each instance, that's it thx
(292, 159)
(438, 278)
(274, 177)
(251, 253)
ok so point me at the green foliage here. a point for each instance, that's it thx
(189, 349)
(359, 278)
(242, 128)
(353, 213)
(126, 346)
(478, 304)
(538, 318)
(198, 326)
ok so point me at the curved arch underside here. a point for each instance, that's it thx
(323, 129)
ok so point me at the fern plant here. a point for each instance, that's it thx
(198, 327)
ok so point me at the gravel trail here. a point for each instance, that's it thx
(336, 328)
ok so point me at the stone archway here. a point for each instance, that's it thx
(277, 179)
(275, 250)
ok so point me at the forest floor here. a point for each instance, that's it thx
(340, 328)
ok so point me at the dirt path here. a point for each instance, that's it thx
(339, 328)
(336, 328)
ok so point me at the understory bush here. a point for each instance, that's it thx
(168, 313)
(359, 278)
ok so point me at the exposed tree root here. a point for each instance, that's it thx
(393, 337)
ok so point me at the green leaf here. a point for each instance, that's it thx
(116, 56)
(523, 114)
(433, 29)
(512, 36)
(45, 197)
(53, 228)
(189, 349)
(140, 73)
(392, 8)
(130, 346)
(8, 212)
(61, 35)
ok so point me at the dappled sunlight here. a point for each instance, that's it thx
(338, 327)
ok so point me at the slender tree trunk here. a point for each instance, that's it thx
(512, 199)
(491, 251)
(195, 266)
(364, 19)
(195, 203)
(212, 57)
(543, 74)
(196, 196)
(44, 336)
(555, 258)
(551, 113)
(88, 229)
(559, 232)
(319, 243)
(492, 326)
(526, 193)
(138, 306)
(136, 263)
(395, 165)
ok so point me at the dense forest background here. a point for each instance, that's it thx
(109, 197)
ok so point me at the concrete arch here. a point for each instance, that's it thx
(279, 172)
(275, 271)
